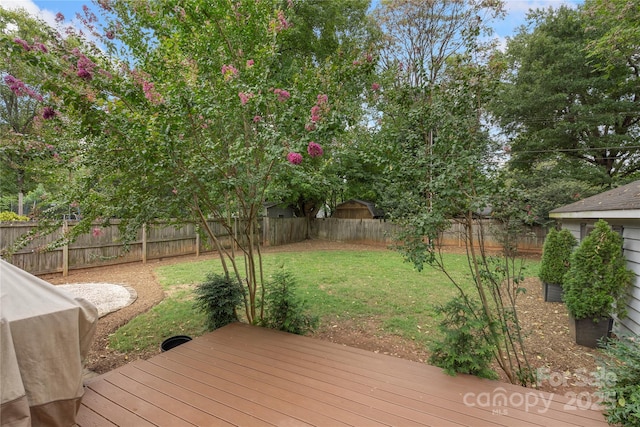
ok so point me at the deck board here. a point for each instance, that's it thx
(250, 376)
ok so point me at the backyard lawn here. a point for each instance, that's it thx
(335, 285)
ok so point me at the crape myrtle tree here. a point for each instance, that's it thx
(439, 166)
(189, 111)
(568, 99)
(334, 31)
(27, 155)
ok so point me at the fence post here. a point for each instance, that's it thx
(144, 243)
(65, 250)
(197, 243)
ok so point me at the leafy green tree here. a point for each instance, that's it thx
(547, 186)
(438, 161)
(187, 124)
(556, 104)
(25, 118)
(619, 45)
(423, 40)
(345, 35)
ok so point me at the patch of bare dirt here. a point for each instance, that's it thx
(551, 349)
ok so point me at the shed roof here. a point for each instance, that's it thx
(375, 212)
(621, 202)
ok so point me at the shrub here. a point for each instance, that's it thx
(12, 216)
(620, 387)
(464, 348)
(219, 297)
(596, 284)
(283, 310)
(556, 255)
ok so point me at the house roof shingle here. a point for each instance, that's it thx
(623, 198)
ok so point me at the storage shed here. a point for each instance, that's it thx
(357, 209)
(277, 210)
(620, 207)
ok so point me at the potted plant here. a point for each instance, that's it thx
(595, 287)
(556, 254)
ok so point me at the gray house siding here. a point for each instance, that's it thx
(574, 228)
(631, 235)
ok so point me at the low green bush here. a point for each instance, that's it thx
(595, 287)
(556, 254)
(620, 384)
(12, 216)
(463, 348)
(283, 309)
(219, 298)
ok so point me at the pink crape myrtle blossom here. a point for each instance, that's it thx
(282, 23)
(320, 107)
(85, 68)
(245, 97)
(41, 47)
(96, 232)
(294, 158)
(229, 72)
(48, 113)
(375, 87)
(59, 17)
(282, 94)
(22, 43)
(250, 63)
(143, 79)
(19, 88)
(257, 119)
(314, 149)
(150, 93)
(315, 114)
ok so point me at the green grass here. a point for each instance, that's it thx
(335, 285)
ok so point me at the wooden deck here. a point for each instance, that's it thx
(251, 376)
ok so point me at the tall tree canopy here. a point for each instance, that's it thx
(424, 39)
(557, 103)
(436, 152)
(27, 155)
(620, 42)
(190, 111)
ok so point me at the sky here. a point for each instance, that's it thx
(516, 10)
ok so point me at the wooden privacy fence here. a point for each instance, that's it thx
(104, 245)
(377, 231)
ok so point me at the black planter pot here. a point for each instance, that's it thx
(173, 342)
(552, 292)
(587, 332)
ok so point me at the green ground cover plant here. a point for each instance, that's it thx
(333, 284)
(620, 368)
